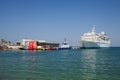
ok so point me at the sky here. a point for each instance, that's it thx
(55, 20)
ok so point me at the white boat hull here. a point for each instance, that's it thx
(89, 44)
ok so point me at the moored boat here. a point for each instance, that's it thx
(65, 45)
(95, 40)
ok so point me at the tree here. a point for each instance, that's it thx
(3, 41)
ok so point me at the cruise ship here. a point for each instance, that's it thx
(95, 40)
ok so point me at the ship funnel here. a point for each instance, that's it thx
(103, 33)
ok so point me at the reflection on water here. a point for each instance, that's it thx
(29, 61)
(89, 63)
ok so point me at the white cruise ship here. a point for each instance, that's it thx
(94, 40)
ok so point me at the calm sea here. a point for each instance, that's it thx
(83, 64)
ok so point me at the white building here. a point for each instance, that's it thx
(27, 40)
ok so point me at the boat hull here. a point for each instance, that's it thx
(89, 44)
(65, 48)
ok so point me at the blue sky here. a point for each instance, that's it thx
(53, 20)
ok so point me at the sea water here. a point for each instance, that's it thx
(81, 64)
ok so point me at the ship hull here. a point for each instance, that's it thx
(89, 44)
(68, 48)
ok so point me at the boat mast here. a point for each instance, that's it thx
(93, 29)
(65, 39)
(65, 42)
